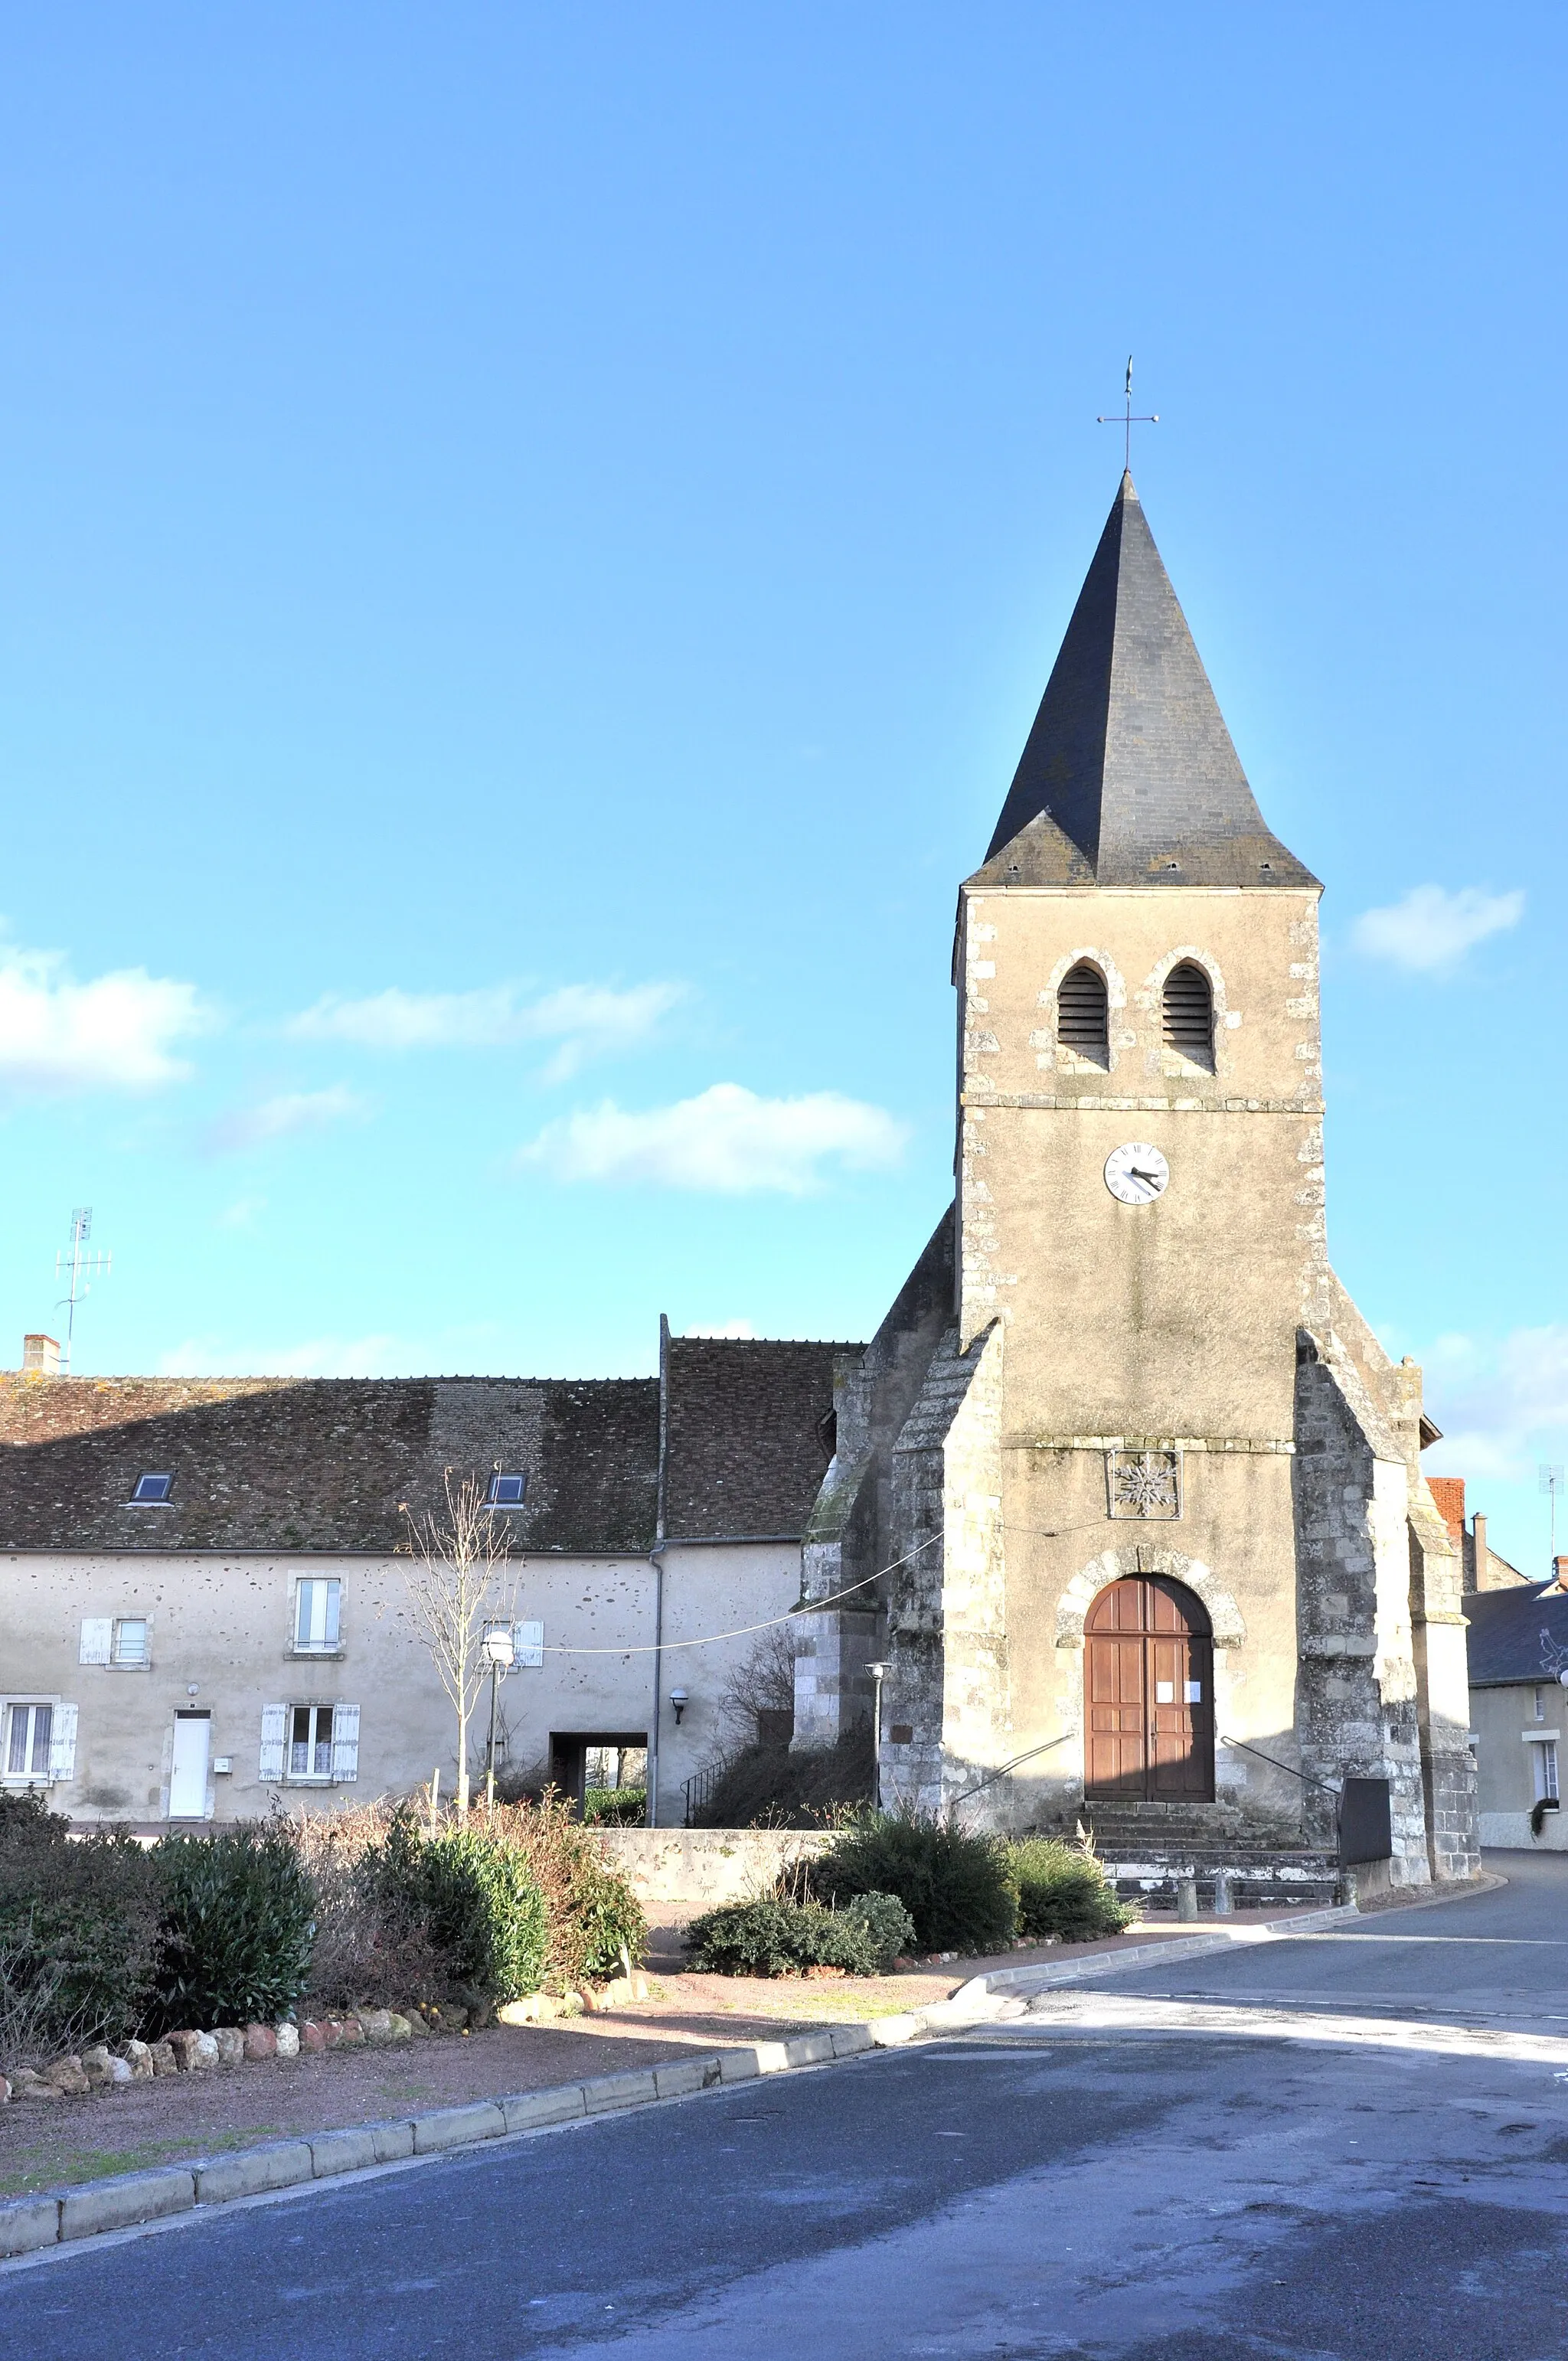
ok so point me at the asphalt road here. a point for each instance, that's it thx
(1315, 2150)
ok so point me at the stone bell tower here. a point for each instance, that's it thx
(1131, 1489)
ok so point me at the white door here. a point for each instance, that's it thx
(188, 1773)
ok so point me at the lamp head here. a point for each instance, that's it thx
(879, 1672)
(679, 1699)
(498, 1645)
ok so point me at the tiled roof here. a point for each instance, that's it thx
(1129, 756)
(326, 1464)
(304, 1463)
(1505, 1635)
(750, 1438)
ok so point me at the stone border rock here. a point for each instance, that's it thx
(100, 2067)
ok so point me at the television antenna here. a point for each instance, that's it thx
(1550, 1474)
(83, 1265)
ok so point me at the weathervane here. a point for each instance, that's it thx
(1127, 421)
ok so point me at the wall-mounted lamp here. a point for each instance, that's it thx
(680, 1700)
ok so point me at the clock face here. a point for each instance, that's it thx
(1137, 1174)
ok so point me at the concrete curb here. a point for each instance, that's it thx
(128, 2200)
(972, 2003)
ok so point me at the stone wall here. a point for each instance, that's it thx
(1356, 1694)
(945, 1712)
(691, 1870)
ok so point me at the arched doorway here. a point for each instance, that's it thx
(1149, 1674)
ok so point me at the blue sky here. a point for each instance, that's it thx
(533, 538)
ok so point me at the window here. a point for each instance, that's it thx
(28, 1730)
(316, 1602)
(1083, 1022)
(1540, 1708)
(528, 1644)
(1543, 1762)
(151, 1492)
(129, 1643)
(310, 1741)
(506, 1492)
(124, 1640)
(1188, 1014)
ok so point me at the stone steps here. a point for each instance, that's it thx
(1146, 1847)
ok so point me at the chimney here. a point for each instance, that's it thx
(1559, 1571)
(40, 1356)
(1479, 1523)
(1448, 1492)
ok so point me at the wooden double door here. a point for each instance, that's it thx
(1148, 1671)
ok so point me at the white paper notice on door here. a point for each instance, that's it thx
(1165, 1692)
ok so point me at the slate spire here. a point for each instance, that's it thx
(1129, 776)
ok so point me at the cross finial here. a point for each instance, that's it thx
(1127, 421)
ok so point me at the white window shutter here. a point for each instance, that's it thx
(62, 1742)
(274, 1723)
(345, 1741)
(528, 1644)
(97, 1638)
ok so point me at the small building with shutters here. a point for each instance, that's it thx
(205, 1612)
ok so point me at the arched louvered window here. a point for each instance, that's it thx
(1082, 1016)
(1189, 1014)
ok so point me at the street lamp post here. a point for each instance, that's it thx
(879, 1673)
(497, 1647)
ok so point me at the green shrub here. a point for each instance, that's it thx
(889, 1927)
(956, 1887)
(476, 1898)
(615, 1807)
(1062, 1891)
(79, 1934)
(780, 1939)
(594, 1923)
(238, 1924)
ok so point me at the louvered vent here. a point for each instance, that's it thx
(1082, 1023)
(1189, 1014)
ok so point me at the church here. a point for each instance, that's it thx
(1118, 1520)
(1126, 1521)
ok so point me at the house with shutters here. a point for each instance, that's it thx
(205, 1612)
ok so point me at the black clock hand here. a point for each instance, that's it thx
(1152, 1178)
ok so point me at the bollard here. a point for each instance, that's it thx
(1222, 1903)
(1186, 1895)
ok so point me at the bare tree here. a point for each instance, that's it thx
(460, 1578)
(762, 1684)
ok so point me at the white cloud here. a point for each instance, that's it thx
(242, 1214)
(115, 1032)
(291, 1110)
(1504, 1407)
(1433, 928)
(727, 1140)
(320, 1356)
(587, 1020)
